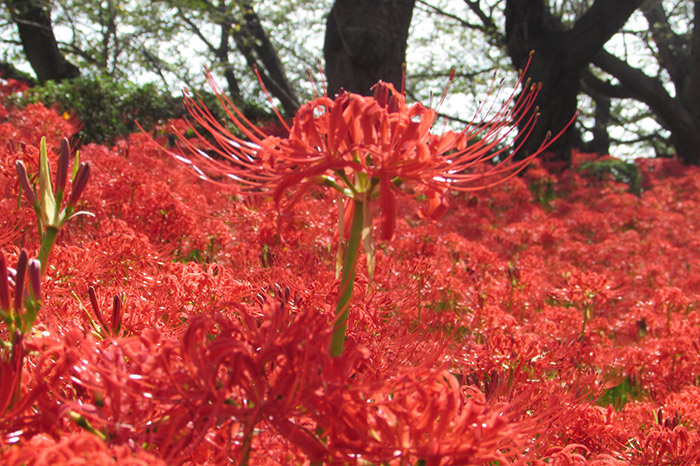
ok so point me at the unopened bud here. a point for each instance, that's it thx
(19, 279)
(24, 182)
(34, 272)
(4, 285)
(96, 307)
(393, 106)
(381, 93)
(116, 314)
(17, 350)
(79, 184)
(62, 169)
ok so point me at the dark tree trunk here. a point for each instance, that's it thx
(560, 61)
(366, 42)
(38, 41)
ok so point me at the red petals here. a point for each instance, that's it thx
(387, 201)
(374, 138)
(437, 205)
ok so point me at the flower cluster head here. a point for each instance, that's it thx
(48, 202)
(367, 147)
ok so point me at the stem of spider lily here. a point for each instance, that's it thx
(47, 242)
(347, 279)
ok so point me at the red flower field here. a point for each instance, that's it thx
(551, 319)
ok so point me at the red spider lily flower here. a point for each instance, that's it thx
(367, 147)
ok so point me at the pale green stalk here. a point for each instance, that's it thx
(348, 278)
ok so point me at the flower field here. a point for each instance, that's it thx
(550, 319)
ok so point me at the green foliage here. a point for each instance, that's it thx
(544, 190)
(108, 109)
(619, 170)
(618, 396)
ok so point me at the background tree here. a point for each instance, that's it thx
(239, 27)
(562, 56)
(33, 22)
(170, 41)
(366, 42)
(626, 119)
(678, 56)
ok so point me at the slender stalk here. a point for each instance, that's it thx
(348, 278)
(587, 314)
(46, 244)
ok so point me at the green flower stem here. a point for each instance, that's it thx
(47, 243)
(347, 279)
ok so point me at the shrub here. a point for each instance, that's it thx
(619, 170)
(110, 109)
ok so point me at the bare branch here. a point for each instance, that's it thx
(671, 55)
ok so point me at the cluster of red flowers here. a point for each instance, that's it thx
(178, 327)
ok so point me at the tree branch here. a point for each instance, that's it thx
(475, 7)
(251, 39)
(487, 27)
(597, 25)
(646, 89)
(671, 55)
(606, 88)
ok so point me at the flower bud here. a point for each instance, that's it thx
(381, 93)
(24, 182)
(96, 308)
(79, 184)
(116, 314)
(34, 273)
(17, 351)
(47, 201)
(19, 279)
(62, 169)
(4, 287)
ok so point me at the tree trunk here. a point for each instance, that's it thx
(38, 41)
(560, 60)
(366, 42)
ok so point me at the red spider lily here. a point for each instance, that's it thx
(366, 147)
